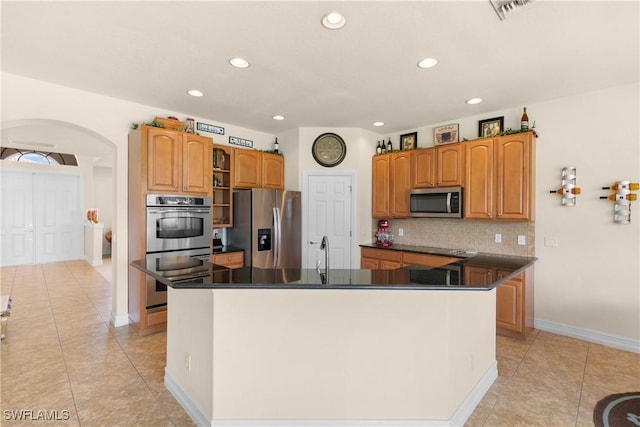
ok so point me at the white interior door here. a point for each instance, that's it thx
(16, 218)
(58, 218)
(42, 218)
(329, 208)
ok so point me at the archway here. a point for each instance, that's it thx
(93, 151)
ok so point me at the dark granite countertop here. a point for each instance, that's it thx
(226, 249)
(448, 277)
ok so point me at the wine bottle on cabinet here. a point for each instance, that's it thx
(276, 146)
(524, 120)
(389, 146)
(379, 148)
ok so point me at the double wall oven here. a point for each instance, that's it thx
(178, 241)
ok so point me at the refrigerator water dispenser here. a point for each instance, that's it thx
(264, 239)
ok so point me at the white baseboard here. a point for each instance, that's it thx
(588, 335)
(91, 262)
(119, 320)
(459, 417)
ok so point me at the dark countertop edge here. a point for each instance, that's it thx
(226, 249)
(191, 285)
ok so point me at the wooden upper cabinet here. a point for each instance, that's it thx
(196, 163)
(391, 183)
(478, 191)
(177, 161)
(380, 171)
(164, 154)
(514, 176)
(499, 180)
(247, 170)
(273, 171)
(256, 169)
(450, 162)
(441, 166)
(400, 184)
(424, 168)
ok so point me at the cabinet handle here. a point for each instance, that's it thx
(228, 258)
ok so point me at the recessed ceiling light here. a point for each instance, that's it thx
(472, 101)
(378, 123)
(333, 21)
(239, 62)
(278, 117)
(428, 63)
(195, 92)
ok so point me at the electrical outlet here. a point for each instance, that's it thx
(498, 238)
(551, 242)
(400, 232)
(522, 240)
(187, 362)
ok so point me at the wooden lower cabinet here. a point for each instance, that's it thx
(514, 299)
(229, 259)
(380, 259)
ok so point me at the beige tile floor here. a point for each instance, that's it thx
(61, 354)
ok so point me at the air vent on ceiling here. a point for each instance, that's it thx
(506, 8)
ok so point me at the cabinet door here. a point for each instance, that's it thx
(423, 171)
(478, 192)
(389, 265)
(196, 164)
(273, 171)
(247, 170)
(509, 307)
(381, 166)
(163, 159)
(400, 184)
(368, 264)
(476, 275)
(450, 165)
(512, 176)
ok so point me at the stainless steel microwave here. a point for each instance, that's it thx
(445, 202)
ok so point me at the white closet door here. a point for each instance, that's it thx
(16, 218)
(58, 218)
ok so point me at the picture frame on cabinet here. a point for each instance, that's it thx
(446, 134)
(409, 141)
(490, 127)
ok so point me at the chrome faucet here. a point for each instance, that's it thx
(324, 246)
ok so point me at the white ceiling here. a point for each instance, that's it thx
(152, 52)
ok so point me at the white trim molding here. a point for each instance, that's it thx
(458, 418)
(596, 337)
(118, 320)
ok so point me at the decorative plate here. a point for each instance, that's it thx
(329, 149)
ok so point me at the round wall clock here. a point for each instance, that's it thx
(329, 149)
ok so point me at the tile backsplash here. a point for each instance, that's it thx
(464, 234)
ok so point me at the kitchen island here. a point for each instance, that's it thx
(343, 348)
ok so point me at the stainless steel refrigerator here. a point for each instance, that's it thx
(267, 226)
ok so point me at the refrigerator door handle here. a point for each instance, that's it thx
(277, 237)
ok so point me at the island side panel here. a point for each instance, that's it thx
(348, 355)
(190, 335)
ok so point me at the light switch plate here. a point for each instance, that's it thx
(522, 240)
(498, 238)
